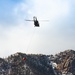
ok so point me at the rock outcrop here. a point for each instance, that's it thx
(65, 61)
(32, 65)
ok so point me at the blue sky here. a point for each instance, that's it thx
(6, 13)
(17, 35)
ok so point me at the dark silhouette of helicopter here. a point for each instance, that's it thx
(36, 22)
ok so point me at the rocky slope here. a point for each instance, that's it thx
(31, 64)
(22, 64)
(65, 61)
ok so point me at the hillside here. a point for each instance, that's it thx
(31, 64)
(65, 61)
(22, 64)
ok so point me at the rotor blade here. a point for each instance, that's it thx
(28, 20)
(43, 20)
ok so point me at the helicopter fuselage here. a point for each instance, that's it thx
(36, 23)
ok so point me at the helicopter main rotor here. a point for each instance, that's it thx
(36, 23)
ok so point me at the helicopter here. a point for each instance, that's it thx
(36, 22)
